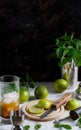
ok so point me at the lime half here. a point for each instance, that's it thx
(35, 110)
(44, 103)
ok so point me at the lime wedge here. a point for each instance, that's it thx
(35, 110)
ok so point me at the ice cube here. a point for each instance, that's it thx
(9, 97)
(9, 100)
(13, 94)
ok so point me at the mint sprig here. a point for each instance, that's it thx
(29, 81)
(66, 126)
(66, 49)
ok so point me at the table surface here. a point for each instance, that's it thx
(49, 125)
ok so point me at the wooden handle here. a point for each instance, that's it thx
(61, 101)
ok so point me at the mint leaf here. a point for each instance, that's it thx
(10, 88)
(79, 121)
(37, 126)
(27, 127)
(68, 127)
(58, 125)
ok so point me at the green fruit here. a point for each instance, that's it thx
(24, 94)
(60, 85)
(66, 76)
(72, 104)
(35, 110)
(41, 92)
(44, 103)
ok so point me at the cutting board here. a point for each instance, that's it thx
(36, 117)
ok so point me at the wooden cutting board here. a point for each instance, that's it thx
(36, 117)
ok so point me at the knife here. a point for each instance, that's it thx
(61, 101)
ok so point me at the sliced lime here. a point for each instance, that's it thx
(36, 110)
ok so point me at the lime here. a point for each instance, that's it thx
(41, 92)
(35, 110)
(44, 103)
(66, 76)
(72, 104)
(60, 85)
(24, 94)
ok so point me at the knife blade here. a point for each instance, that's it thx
(61, 101)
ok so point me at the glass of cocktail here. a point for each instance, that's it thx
(9, 95)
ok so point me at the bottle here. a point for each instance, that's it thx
(17, 118)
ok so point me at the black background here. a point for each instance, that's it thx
(28, 28)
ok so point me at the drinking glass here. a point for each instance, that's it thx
(9, 95)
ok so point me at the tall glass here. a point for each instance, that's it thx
(9, 95)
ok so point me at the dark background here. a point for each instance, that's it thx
(27, 30)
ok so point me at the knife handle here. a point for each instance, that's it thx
(61, 101)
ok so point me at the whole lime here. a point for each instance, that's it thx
(72, 104)
(60, 85)
(24, 94)
(44, 103)
(41, 92)
(66, 76)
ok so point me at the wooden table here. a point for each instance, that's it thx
(49, 124)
